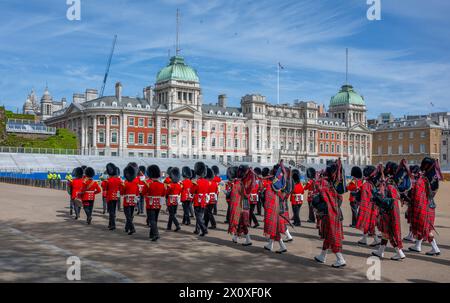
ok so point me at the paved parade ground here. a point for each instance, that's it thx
(38, 235)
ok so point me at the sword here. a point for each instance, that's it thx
(288, 221)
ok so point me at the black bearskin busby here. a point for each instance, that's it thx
(311, 173)
(257, 171)
(242, 170)
(265, 171)
(111, 169)
(296, 176)
(426, 164)
(356, 172)
(142, 169)
(83, 167)
(216, 170)
(117, 171)
(368, 170)
(232, 173)
(168, 171)
(415, 169)
(209, 173)
(200, 169)
(186, 172)
(175, 174)
(130, 173)
(153, 172)
(390, 169)
(77, 173)
(192, 174)
(89, 172)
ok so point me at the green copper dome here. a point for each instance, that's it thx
(347, 96)
(177, 70)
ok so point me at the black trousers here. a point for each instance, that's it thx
(252, 214)
(172, 216)
(259, 207)
(112, 205)
(129, 215)
(191, 209)
(354, 207)
(228, 213)
(104, 204)
(200, 220)
(296, 211)
(215, 209)
(153, 215)
(186, 213)
(209, 215)
(311, 217)
(88, 208)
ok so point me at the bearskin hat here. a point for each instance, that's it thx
(427, 163)
(186, 172)
(117, 171)
(89, 172)
(77, 172)
(130, 173)
(232, 172)
(153, 172)
(296, 176)
(111, 169)
(390, 169)
(200, 169)
(311, 173)
(83, 167)
(216, 170)
(168, 170)
(257, 171)
(368, 170)
(265, 171)
(356, 172)
(133, 164)
(331, 169)
(142, 169)
(175, 174)
(415, 169)
(209, 173)
(242, 170)
(192, 174)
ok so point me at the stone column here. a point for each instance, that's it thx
(108, 130)
(158, 137)
(94, 135)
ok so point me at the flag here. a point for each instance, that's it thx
(431, 103)
(281, 66)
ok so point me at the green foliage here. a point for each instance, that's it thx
(10, 115)
(63, 139)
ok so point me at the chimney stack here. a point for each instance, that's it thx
(119, 91)
(222, 100)
(148, 93)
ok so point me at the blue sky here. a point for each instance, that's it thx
(399, 64)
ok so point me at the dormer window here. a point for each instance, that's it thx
(129, 105)
(102, 104)
(114, 104)
(139, 106)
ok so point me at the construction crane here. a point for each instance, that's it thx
(108, 65)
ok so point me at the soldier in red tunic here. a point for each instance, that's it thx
(296, 197)
(200, 190)
(186, 199)
(424, 206)
(368, 212)
(103, 178)
(239, 204)
(113, 188)
(173, 193)
(254, 197)
(327, 205)
(130, 195)
(311, 188)
(155, 197)
(387, 198)
(212, 201)
(354, 187)
(75, 187)
(89, 190)
(217, 180)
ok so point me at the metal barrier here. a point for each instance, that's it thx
(33, 150)
(51, 184)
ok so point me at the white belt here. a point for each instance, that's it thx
(298, 197)
(177, 198)
(162, 200)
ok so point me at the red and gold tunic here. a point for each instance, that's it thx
(130, 193)
(173, 193)
(155, 194)
(113, 188)
(88, 191)
(297, 194)
(186, 188)
(200, 190)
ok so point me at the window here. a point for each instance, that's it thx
(150, 139)
(140, 138)
(422, 134)
(193, 140)
(400, 136)
(184, 141)
(221, 142)
(180, 94)
(174, 140)
(400, 149)
(411, 135)
(321, 148)
(203, 141)
(213, 142)
(422, 148)
(114, 137)
(389, 149)
(164, 123)
(163, 140)
(101, 120)
(131, 154)
(131, 138)
(411, 148)
(228, 142)
(338, 148)
(221, 127)
(380, 150)
(389, 136)
(131, 121)
(150, 122)
(101, 137)
(190, 97)
(141, 122)
(114, 121)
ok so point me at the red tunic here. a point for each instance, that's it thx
(367, 214)
(354, 186)
(213, 192)
(186, 185)
(113, 188)
(76, 185)
(103, 186)
(88, 191)
(297, 194)
(228, 188)
(173, 193)
(167, 180)
(130, 193)
(155, 194)
(253, 198)
(200, 189)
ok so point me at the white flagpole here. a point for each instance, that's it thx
(278, 83)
